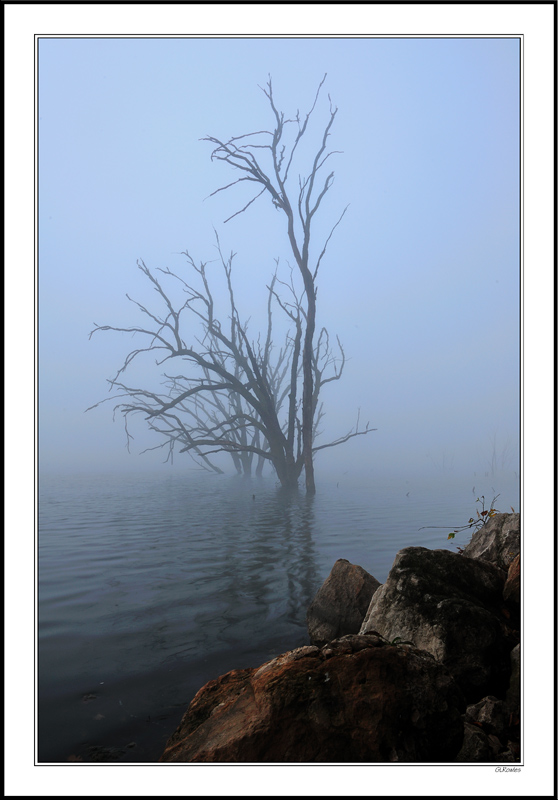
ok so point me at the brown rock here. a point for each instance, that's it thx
(341, 602)
(512, 587)
(450, 606)
(358, 700)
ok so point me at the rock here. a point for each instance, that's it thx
(511, 754)
(476, 745)
(486, 733)
(490, 713)
(479, 746)
(512, 587)
(450, 606)
(512, 702)
(513, 751)
(359, 699)
(514, 688)
(341, 602)
(498, 541)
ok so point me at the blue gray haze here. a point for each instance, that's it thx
(421, 281)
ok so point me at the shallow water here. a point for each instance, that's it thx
(152, 584)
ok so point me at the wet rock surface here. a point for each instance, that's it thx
(358, 699)
(341, 603)
(451, 606)
(433, 674)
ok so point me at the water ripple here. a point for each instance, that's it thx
(142, 571)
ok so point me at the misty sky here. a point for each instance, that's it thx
(422, 277)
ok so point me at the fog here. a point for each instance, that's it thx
(421, 281)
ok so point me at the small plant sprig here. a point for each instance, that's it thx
(475, 523)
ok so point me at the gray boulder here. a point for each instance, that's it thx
(498, 541)
(450, 606)
(341, 602)
(490, 713)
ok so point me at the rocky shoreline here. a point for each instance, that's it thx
(424, 668)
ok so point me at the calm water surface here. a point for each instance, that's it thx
(151, 585)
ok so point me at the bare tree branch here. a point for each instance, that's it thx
(251, 397)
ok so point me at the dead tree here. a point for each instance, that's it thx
(266, 158)
(250, 398)
(231, 393)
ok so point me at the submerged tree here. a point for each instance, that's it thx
(266, 158)
(249, 397)
(232, 394)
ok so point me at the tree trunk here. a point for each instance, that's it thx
(308, 384)
(308, 415)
